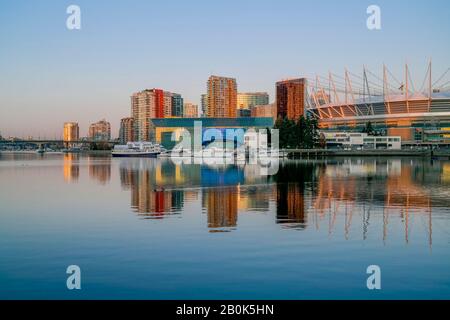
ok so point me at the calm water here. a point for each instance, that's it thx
(152, 229)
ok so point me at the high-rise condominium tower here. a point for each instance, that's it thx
(222, 97)
(126, 130)
(291, 97)
(150, 104)
(100, 131)
(71, 132)
(177, 105)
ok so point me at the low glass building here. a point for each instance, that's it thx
(161, 130)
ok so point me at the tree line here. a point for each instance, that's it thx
(300, 134)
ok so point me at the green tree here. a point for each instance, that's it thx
(287, 133)
(302, 133)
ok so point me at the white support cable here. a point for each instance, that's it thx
(359, 86)
(393, 77)
(370, 82)
(441, 77)
(422, 87)
(374, 75)
(341, 89)
(412, 83)
(443, 86)
(373, 93)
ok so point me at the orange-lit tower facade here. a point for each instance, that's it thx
(222, 97)
(100, 131)
(71, 132)
(291, 97)
(150, 104)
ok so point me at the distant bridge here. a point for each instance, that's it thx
(53, 141)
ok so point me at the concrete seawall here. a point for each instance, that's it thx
(318, 153)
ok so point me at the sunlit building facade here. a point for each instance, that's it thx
(190, 110)
(126, 130)
(222, 97)
(153, 104)
(264, 111)
(250, 99)
(71, 132)
(291, 98)
(100, 131)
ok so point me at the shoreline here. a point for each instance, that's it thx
(293, 153)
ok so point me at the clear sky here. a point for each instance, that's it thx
(49, 74)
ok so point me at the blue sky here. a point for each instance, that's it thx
(49, 74)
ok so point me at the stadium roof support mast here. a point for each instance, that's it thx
(320, 90)
(348, 83)
(366, 85)
(327, 99)
(386, 89)
(313, 96)
(407, 87)
(430, 89)
(336, 96)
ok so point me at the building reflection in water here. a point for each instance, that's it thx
(360, 188)
(150, 183)
(255, 198)
(100, 169)
(290, 202)
(222, 208)
(354, 197)
(71, 167)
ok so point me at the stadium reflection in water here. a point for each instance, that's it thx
(347, 193)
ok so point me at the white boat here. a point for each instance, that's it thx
(137, 149)
(164, 153)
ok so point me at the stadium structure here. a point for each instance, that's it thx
(420, 115)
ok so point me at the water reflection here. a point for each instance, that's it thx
(291, 183)
(100, 169)
(342, 197)
(71, 167)
(222, 208)
(148, 181)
